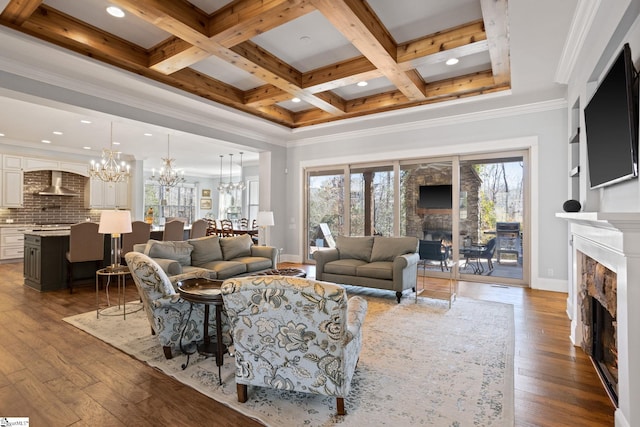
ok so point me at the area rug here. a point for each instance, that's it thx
(421, 364)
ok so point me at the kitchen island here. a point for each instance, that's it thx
(45, 262)
(45, 265)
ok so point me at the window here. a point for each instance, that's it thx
(179, 201)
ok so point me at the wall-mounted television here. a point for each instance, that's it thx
(435, 197)
(611, 120)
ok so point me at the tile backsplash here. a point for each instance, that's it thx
(51, 209)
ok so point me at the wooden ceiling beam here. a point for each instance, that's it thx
(175, 54)
(68, 32)
(265, 95)
(359, 24)
(242, 20)
(495, 16)
(233, 24)
(441, 41)
(339, 74)
(18, 11)
(161, 14)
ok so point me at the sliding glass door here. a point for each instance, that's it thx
(473, 206)
(371, 201)
(325, 209)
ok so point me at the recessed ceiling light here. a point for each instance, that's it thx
(57, 132)
(86, 122)
(1, 134)
(148, 134)
(452, 61)
(116, 143)
(46, 141)
(305, 39)
(362, 84)
(296, 99)
(86, 148)
(115, 11)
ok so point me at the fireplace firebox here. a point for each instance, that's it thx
(604, 352)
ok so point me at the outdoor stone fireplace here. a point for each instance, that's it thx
(604, 282)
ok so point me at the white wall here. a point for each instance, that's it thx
(542, 127)
(614, 24)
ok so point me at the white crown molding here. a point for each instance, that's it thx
(442, 121)
(580, 26)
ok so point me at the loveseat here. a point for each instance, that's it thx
(221, 257)
(389, 263)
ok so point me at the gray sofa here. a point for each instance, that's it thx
(221, 257)
(375, 262)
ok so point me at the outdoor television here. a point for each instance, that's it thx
(611, 120)
(435, 197)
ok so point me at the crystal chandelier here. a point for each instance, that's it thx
(168, 176)
(110, 168)
(231, 186)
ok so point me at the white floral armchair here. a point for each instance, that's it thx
(294, 334)
(168, 313)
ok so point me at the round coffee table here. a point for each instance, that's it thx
(207, 292)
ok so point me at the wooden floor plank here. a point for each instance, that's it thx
(92, 383)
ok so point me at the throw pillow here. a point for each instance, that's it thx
(387, 248)
(354, 247)
(179, 251)
(205, 249)
(237, 246)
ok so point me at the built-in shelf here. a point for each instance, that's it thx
(576, 137)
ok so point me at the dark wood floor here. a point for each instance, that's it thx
(58, 375)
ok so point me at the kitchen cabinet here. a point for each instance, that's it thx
(12, 242)
(11, 181)
(45, 267)
(106, 195)
(12, 193)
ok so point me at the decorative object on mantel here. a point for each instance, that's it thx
(571, 206)
(110, 168)
(231, 186)
(115, 222)
(465, 377)
(168, 176)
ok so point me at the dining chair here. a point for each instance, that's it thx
(140, 233)
(173, 231)
(199, 228)
(226, 228)
(212, 228)
(243, 223)
(86, 244)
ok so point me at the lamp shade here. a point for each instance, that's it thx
(265, 219)
(115, 222)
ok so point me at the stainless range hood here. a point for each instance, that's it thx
(56, 188)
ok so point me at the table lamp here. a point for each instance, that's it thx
(264, 220)
(115, 222)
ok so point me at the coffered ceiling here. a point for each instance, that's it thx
(258, 55)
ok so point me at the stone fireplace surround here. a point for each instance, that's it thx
(613, 240)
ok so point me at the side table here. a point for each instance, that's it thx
(207, 292)
(119, 273)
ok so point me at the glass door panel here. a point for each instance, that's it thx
(371, 201)
(427, 209)
(325, 209)
(493, 224)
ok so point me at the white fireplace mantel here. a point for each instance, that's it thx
(613, 239)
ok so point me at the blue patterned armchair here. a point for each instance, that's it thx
(294, 334)
(167, 312)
